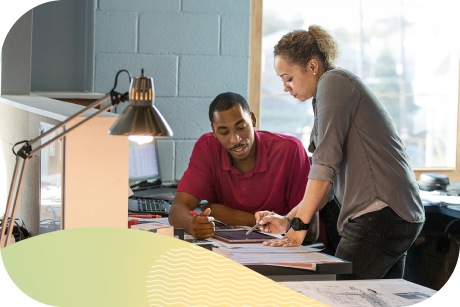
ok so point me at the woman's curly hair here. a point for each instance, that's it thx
(300, 46)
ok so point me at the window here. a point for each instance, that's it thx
(407, 51)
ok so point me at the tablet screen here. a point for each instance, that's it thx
(239, 236)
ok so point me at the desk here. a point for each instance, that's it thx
(324, 271)
(452, 211)
(434, 202)
(329, 267)
(432, 259)
(284, 264)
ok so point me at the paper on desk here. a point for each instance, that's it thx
(260, 248)
(435, 198)
(306, 260)
(379, 292)
(258, 254)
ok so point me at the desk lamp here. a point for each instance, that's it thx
(141, 121)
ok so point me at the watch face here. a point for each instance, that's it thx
(297, 224)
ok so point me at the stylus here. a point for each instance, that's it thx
(252, 229)
(257, 225)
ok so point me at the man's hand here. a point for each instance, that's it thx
(199, 226)
(202, 225)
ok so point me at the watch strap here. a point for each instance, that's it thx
(297, 224)
(289, 223)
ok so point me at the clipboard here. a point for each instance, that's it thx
(239, 236)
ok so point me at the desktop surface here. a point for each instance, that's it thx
(275, 262)
(325, 271)
(442, 203)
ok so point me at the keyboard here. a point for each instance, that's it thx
(151, 205)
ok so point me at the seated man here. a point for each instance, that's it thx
(239, 171)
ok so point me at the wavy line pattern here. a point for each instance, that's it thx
(197, 277)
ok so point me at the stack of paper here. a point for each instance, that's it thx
(440, 199)
(301, 257)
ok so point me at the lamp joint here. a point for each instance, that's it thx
(116, 97)
(25, 151)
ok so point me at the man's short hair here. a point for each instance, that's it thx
(226, 101)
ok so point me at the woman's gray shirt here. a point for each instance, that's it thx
(356, 147)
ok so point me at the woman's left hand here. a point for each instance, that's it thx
(291, 239)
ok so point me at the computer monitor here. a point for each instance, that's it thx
(143, 165)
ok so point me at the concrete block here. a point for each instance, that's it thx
(235, 35)
(208, 76)
(178, 33)
(140, 5)
(114, 36)
(217, 6)
(162, 68)
(187, 117)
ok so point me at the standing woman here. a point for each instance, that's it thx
(357, 156)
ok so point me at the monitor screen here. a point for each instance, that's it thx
(143, 163)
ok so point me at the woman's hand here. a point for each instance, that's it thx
(271, 222)
(291, 239)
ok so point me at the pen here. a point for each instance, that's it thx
(145, 216)
(193, 213)
(256, 225)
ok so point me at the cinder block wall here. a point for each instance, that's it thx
(193, 49)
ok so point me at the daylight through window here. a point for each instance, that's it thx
(406, 51)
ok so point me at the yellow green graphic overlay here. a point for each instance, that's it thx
(125, 267)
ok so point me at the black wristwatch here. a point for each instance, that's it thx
(297, 224)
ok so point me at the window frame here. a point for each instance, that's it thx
(255, 72)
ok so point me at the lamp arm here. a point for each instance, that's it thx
(26, 152)
(115, 98)
(68, 130)
(16, 184)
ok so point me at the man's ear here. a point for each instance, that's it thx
(212, 129)
(253, 119)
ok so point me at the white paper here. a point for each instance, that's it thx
(363, 293)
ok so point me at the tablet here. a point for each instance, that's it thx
(239, 236)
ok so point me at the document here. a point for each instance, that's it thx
(302, 257)
(363, 293)
(440, 199)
